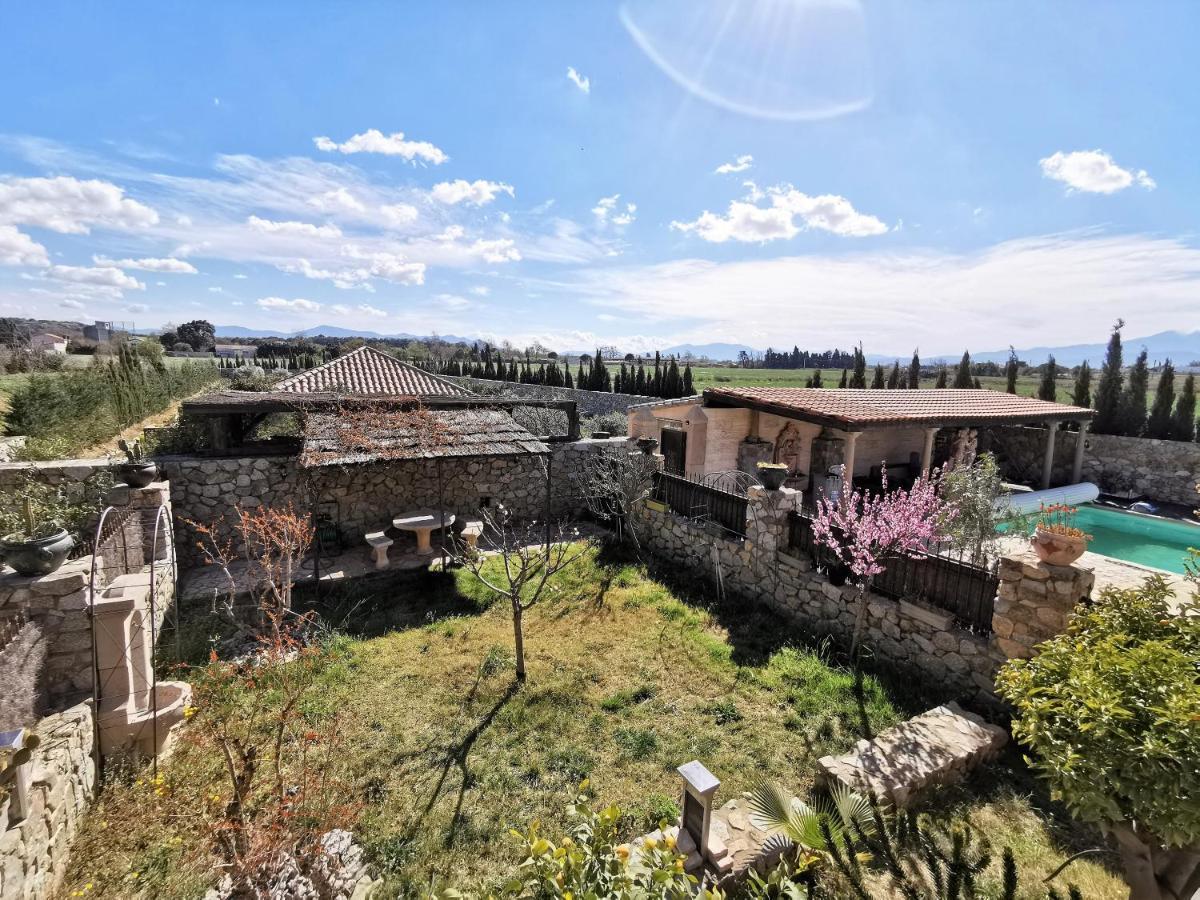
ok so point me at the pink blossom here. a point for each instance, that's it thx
(865, 530)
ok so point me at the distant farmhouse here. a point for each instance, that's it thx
(48, 342)
(236, 351)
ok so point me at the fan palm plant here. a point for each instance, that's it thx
(843, 811)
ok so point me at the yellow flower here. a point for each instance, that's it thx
(650, 843)
(669, 841)
(567, 842)
(623, 852)
(189, 711)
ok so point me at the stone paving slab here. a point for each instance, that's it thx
(937, 747)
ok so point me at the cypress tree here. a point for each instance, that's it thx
(1010, 372)
(962, 375)
(580, 379)
(878, 381)
(914, 372)
(815, 381)
(1108, 391)
(688, 387)
(1160, 422)
(978, 385)
(1183, 426)
(893, 381)
(1133, 400)
(640, 381)
(845, 378)
(1082, 395)
(903, 385)
(567, 380)
(1048, 389)
(859, 378)
(943, 377)
(657, 387)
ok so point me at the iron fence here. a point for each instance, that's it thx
(939, 576)
(701, 501)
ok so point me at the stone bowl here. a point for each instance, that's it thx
(40, 556)
(137, 474)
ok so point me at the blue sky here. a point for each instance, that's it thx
(941, 175)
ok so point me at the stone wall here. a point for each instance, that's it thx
(1163, 471)
(34, 850)
(908, 638)
(589, 403)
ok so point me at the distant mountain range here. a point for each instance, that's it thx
(1179, 346)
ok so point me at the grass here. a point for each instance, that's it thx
(629, 677)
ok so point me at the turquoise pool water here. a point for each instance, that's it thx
(1136, 538)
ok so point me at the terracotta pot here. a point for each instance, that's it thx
(38, 557)
(647, 445)
(772, 477)
(137, 475)
(1057, 549)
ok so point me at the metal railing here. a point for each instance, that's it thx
(939, 576)
(701, 502)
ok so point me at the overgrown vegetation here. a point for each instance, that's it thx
(65, 412)
(74, 506)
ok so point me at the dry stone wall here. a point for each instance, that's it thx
(1163, 471)
(34, 849)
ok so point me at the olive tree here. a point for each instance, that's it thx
(1110, 711)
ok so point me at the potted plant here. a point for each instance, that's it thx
(772, 475)
(647, 445)
(37, 548)
(1056, 540)
(136, 471)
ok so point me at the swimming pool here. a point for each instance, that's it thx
(1136, 538)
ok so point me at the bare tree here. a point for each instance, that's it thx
(615, 484)
(529, 555)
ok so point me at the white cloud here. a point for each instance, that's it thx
(750, 223)
(608, 211)
(17, 249)
(387, 266)
(337, 200)
(480, 290)
(303, 229)
(98, 276)
(280, 303)
(216, 290)
(399, 214)
(394, 144)
(741, 164)
(240, 276)
(1093, 171)
(581, 81)
(453, 301)
(361, 309)
(137, 308)
(175, 266)
(476, 193)
(495, 251)
(70, 206)
(68, 303)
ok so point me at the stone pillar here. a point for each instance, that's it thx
(1077, 464)
(848, 455)
(767, 518)
(927, 450)
(1034, 602)
(699, 787)
(1048, 459)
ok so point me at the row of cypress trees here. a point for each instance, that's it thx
(1121, 400)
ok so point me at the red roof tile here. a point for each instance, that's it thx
(371, 372)
(865, 408)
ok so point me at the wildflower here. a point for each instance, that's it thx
(189, 711)
(669, 841)
(650, 843)
(623, 852)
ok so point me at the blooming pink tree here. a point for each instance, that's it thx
(865, 530)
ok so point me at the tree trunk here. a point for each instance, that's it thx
(1157, 873)
(518, 639)
(860, 619)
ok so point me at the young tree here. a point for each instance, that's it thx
(1183, 425)
(615, 485)
(1011, 369)
(893, 381)
(528, 559)
(1108, 391)
(845, 379)
(943, 377)
(1082, 393)
(962, 375)
(688, 387)
(914, 372)
(815, 380)
(1161, 420)
(878, 381)
(1048, 389)
(1110, 711)
(864, 530)
(1133, 400)
(859, 377)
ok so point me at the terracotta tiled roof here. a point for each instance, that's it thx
(370, 372)
(867, 408)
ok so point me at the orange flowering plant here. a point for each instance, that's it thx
(1059, 518)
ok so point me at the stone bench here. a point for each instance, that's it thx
(471, 532)
(379, 543)
(937, 747)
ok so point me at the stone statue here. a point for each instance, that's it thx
(788, 447)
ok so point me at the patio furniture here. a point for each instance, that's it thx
(379, 543)
(471, 532)
(423, 522)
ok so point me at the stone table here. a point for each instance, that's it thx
(423, 522)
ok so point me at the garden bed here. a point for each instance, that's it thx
(628, 678)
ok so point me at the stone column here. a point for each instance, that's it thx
(1034, 602)
(848, 455)
(927, 450)
(1077, 465)
(1048, 459)
(767, 518)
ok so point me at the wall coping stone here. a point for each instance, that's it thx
(934, 617)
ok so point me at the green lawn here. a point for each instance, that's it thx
(628, 678)
(718, 376)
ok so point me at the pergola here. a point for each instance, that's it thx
(853, 412)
